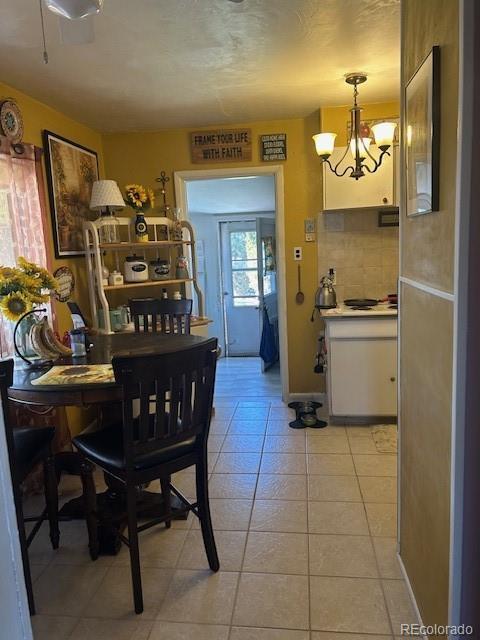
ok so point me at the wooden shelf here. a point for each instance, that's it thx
(147, 283)
(145, 245)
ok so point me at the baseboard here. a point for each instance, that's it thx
(304, 397)
(410, 592)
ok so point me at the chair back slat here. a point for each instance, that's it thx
(143, 418)
(160, 430)
(180, 386)
(174, 315)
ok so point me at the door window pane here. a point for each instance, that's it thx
(245, 283)
(243, 245)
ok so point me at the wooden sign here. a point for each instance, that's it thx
(222, 145)
(273, 147)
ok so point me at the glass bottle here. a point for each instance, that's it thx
(109, 228)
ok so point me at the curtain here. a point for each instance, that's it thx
(22, 220)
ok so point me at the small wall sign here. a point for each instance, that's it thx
(66, 284)
(222, 145)
(273, 147)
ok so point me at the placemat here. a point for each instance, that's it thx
(77, 374)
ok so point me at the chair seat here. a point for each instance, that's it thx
(29, 445)
(105, 448)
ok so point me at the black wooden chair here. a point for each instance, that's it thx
(154, 446)
(173, 315)
(27, 447)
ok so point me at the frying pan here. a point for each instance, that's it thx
(360, 302)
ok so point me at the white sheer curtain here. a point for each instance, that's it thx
(21, 217)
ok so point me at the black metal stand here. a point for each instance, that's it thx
(306, 409)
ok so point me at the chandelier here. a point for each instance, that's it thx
(358, 145)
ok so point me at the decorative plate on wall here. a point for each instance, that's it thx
(11, 121)
(66, 284)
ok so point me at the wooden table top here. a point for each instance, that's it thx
(103, 349)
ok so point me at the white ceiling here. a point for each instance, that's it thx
(231, 195)
(170, 63)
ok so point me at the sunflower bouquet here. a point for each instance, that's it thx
(139, 198)
(22, 287)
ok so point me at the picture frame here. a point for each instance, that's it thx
(71, 171)
(422, 137)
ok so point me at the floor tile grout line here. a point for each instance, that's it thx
(247, 537)
(375, 554)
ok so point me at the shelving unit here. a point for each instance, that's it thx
(94, 252)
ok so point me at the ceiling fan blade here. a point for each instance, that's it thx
(76, 31)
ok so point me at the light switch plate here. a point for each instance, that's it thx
(297, 253)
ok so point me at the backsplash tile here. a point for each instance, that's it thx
(365, 256)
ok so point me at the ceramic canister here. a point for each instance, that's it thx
(159, 269)
(135, 269)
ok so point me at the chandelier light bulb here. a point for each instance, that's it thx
(363, 146)
(383, 133)
(324, 144)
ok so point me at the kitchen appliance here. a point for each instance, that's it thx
(325, 297)
(135, 269)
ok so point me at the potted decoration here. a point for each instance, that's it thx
(141, 200)
(23, 289)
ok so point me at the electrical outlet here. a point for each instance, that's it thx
(297, 253)
(332, 272)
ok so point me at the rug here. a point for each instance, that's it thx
(385, 438)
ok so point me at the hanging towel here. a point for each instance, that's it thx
(268, 347)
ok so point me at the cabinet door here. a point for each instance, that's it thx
(373, 190)
(363, 377)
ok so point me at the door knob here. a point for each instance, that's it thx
(392, 379)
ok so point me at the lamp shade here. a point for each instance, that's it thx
(363, 146)
(105, 193)
(324, 144)
(384, 132)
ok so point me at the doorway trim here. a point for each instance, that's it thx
(182, 177)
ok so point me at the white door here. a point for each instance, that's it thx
(240, 287)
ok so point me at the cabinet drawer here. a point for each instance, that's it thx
(362, 327)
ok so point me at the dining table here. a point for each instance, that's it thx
(106, 397)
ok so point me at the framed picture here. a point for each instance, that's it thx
(422, 136)
(71, 172)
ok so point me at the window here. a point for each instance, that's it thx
(21, 222)
(243, 248)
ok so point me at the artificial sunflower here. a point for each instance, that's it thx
(139, 198)
(14, 305)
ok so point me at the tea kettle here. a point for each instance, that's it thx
(325, 297)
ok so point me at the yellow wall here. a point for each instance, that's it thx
(427, 326)
(37, 117)
(139, 157)
(335, 119)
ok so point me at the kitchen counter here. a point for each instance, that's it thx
(342, 311)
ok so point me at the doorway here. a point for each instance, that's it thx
(251, 273)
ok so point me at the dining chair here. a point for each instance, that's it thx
(174, 315)
(154, 446)
(27, 447)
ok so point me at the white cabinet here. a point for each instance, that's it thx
(374, 190)
(362, 371)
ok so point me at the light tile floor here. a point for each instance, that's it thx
(305, 529)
